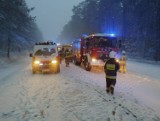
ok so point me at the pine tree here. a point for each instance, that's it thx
(17, 25)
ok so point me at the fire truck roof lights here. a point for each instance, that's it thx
(45, 43)
(113, 35)
(102, 34)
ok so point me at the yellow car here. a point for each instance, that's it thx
(45, 58)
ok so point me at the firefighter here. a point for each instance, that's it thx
(60, 55)
(122, 62)
(67, 57)
(110, 68)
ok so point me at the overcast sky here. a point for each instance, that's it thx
(52, 15)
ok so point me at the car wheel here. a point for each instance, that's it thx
(87, 65)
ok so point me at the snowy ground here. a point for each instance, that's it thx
(77, 95)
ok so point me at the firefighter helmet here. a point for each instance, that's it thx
(112, 54)
(123, 52)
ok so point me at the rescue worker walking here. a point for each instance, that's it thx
(122, 62)
(67, 57)
(60, 56)
(110, 68)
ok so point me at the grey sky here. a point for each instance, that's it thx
(52, 15)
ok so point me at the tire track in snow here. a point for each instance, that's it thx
(29, 107)
(74, 94)
(118, 99)
(35, 104)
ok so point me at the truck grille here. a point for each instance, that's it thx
(103, 57)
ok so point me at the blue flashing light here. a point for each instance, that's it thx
(113, 35)
(118, 55)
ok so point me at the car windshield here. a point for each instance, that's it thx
(105, 42)
(45, 52)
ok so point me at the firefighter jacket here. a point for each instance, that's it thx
(111, 67)
(67, 54)
(123, 58)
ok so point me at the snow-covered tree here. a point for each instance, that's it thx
(18, 25)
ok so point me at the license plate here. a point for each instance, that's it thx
(46, 70)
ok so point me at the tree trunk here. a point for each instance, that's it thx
(8, 48)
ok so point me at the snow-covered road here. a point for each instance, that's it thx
(77, 95)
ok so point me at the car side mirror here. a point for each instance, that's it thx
(30, 55)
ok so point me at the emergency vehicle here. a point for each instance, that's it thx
(64, 47)
(45, 57)
(93, 50)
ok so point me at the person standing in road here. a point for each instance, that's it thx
(122, 62)
(110, 68)
(60, 55)
(67, 57)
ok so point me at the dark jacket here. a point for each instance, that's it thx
(111, 67)
(67, 54)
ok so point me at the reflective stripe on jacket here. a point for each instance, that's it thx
(123, 58)
(111, 67)
(110, 77)
(67, 54)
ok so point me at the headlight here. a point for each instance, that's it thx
(94, 60)
(36, 62)
(54, 61)
(117, 60)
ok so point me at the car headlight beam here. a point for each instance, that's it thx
(117, 60)
(36, 62)
(54, 61)
(94, 60)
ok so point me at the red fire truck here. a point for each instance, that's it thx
(93, 50)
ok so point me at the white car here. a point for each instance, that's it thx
(45, 58)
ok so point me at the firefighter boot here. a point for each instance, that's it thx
(107, 90)
(112, 89)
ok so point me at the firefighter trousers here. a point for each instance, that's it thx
(122, 67)
(110, 82)
(67, 59)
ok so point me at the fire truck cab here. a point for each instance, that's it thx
(93, 50)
